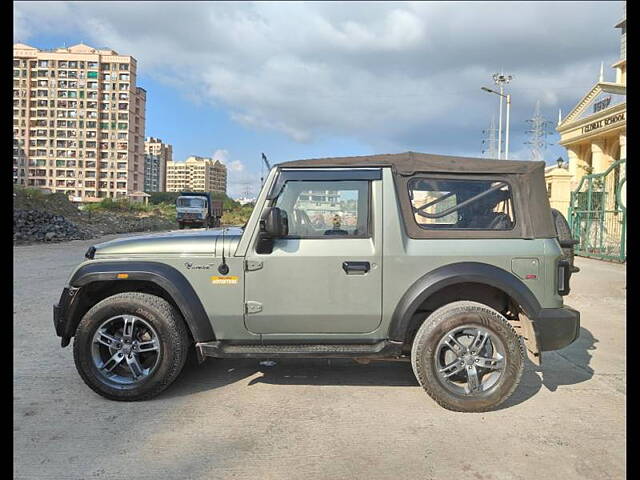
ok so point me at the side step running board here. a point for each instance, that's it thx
(225, 350)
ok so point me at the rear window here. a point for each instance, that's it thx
(461, 204)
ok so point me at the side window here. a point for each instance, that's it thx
(318, 209)
(461, 204)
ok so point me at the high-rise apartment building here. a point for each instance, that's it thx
(78, 122)
(197, 174)
(156, 156)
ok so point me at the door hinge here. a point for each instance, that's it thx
(252, 307)
(251, 265)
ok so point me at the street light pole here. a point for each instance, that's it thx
(501, 79)
(506, 153)
(500, 127)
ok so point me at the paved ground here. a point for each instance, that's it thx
(316, 419)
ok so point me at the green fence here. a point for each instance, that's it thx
(598, 214)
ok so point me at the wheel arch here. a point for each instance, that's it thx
(96, 281)
(436, 286)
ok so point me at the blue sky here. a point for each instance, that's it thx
(303, 80)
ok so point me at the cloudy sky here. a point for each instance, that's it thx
(302, 80)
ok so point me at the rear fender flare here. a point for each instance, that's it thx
(463, 272)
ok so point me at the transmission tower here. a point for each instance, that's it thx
(246, 191)
(539, 129)
(490, 140)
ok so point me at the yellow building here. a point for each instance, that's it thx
(594, 132)
(197, 174)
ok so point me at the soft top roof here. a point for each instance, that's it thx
(408, 163)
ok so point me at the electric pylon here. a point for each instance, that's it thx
(490, 140)
(539, 129)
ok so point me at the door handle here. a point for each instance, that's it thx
(356, 268)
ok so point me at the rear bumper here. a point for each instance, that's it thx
(556, 328)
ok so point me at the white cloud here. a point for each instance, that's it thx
(388, 74)
(221, 155)
(239, 180)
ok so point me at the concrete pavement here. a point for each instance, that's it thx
(316, 419)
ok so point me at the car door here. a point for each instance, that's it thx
(326, 275)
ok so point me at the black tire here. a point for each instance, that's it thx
(564, 234)
(180, 225)
(172, 352)
(437, 326)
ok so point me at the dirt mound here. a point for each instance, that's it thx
(53, 203)
(50, 217)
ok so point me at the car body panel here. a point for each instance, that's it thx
(325, 299)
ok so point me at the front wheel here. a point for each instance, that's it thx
(130, 346)
(467, 357)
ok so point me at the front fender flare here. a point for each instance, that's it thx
(463, 272)
(165, 276)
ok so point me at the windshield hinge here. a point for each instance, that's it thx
(251, 265)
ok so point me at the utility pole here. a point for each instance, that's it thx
(490, 141)
(539, 129)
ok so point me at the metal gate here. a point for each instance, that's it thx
(598, 214)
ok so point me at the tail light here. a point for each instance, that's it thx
(564, 274)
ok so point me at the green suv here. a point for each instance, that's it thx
(453, 264)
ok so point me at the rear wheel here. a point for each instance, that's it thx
(180, 225)
(130, 346)
(467, 357)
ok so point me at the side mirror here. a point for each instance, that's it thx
(274, 223)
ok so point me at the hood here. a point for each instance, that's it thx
(208, 242)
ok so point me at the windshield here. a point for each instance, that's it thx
(192, 202)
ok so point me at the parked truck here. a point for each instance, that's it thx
(197, 208)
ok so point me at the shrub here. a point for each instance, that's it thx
(163, 197)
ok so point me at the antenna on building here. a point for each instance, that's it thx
(490, 140)
(601, 79)
(540, 129)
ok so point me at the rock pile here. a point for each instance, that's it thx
(39, 226)
(50, 217)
